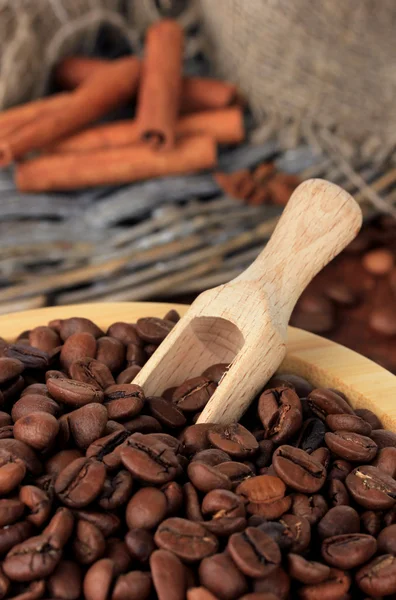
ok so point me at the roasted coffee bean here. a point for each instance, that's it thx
(346, 422)
(31, 403)
(371, 522)
(67, 327)
(169, 575)
(76, 347)
(233, 439)
(387, 540)
(277, 583)
(383, 438)
(11, 535)
(80, 482)
(172, 315)
(311, 435)
(88, 543)
(279, 532)
(91, 371)
(128, 374)
(190, 541)
(313, 508)
(135, 355)
(212, 457)
(167, 439)
(192, 504)
(146, 509)
(195, 438)
(65, 582)
(351, 446)
(378, 577)
(348, 551)
(98, 580)
(118, 552)
(108, 448)
(38, 503)
(299, 532)
(87, 424)
(37, 430)
(10, 368)
(206, 478)
(220, 576)
(73, 393)
(340, 469)
(135, 585)
(385, 461)
(194, 394)
(31, 358)
(116, 490)
(166, 412)
(216, 372)
(335, 586)
(254, 552)
(33, 559)
(301, 385)
(149, 349)
(323, 456)
(371, 488)
(54, 374)
(338, 494)
(11, 509)
(149, 460)
(124, 332)
(324, 402)
(44, 338)
(143, 424)
(265, 496)
(338, 521)
(20, 450)
(227, 512)
(107, 522)
(111, 352)
(306, 571)
(5, 419)
(140, 544)
(12, 472)
(370, 417)
(235, 471)
(280, 412)
(174, 496)
(298, 469)
(153, 330)
(124, 401)
(12, 389)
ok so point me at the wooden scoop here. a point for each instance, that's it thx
(244, 322)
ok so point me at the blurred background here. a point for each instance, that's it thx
(315, 85)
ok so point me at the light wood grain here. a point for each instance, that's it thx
(323, 362)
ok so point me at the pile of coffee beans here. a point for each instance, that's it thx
(353, 300)
(106, 494)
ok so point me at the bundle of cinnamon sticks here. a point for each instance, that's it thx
(178, 124)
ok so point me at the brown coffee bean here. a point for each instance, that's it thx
(233, 439)
(299, 532)
(12, 472)
(108, 523)
(338, 493)
(235, 471)
(5, 419)
(216, 372)
(112, 426)
(55, 374)
(67, 327)
(140, 544)
(143, 424)
(153, 330)
(128, 374)
(306, 571)
(323, 456)
(195, 438)
(348, 422)
(80, 482)
(135, 355)
(298, 469)
(31, 358)
(135, 585)
(118, 552)
(76, 347)
(38, 502)
(4, 585)
(37, 430)
(220, 576)
(370, 417)
(116, 490)
(166, 412)
(87, 424)
(9, 369)
(227, 512)
(192, 505)
(371, 488)
(174, 497)
(348, 551)
(280, 412)
(59, 461)
(98, 580)
(125, 333)
(206, 478)
(65, 582)
(31, 591)
(124, 401)
(371, 522)
(335, 586)
(148, 460)
(340, 469)
(338, 521)
(13, 535)
(88, 543)
(44, 338)
(35, 558)
(324, 402)
(169, 576)
(385, 461)
(31, 403)
(200, 593)
(92, 371)
(277, 582)
(265, 495)
(190, 541)
(74, 393)
(167, 439)
(193, 394)
(254, 552)
(351, 446)
(212, 457)
(111, 352)
(312, 508)
(11, 509)
(146, 509)
(11, 390)
(383, 438)
(60, 528)
(301, 385)
(20, 450)
(108, 448)
(378, 577)
(387, 540)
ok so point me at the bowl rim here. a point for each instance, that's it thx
(321, 361)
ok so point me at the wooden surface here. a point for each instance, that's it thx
(324, 363)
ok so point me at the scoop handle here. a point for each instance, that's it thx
(319, 220)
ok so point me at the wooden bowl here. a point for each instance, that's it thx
(324, 363)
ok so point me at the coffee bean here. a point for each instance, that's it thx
(116, 490)
(108, 523)
(233, 439)
(169, 576)
(227, 512)
(216, 372)
(371, 488)
(166, 412)
(124, 401)
(12, 535)
(11, 389)
(31, 358)
(34, 558)
(67, 327)
(206, 478)
(323, 456)
(192, 503)
(280, 412)
(212, 457)
(371, 522)
(87, 424)
(65, 582)
(298, 469)
(146, 509)
(335, 586)
(347, 422)
(20, 450)
(338, 493)
(338, 521)
(194, 394)
(190, 541)
(59, 461)
(236, 472)
(299, 532)
(277, 583)
(76, 347)
(88, 543)
(91, 371)
(340, 469)
(153, 330)
(324, 402)
(148, 460)
(44, 338)
(80, 482)
(348, 551)
(254, 552)
(311, 435)
(140, 544)
(135, 585)
(135, 355)
(306, 571)
(73, 393)
(111, 352)
(38, 502)
(370, 417)
(11, 509)
(128, 374)
(143, 424)
(124, 332)
(37, 430)
(108, 448)
(383, 439)
(351, 446)
(220, 576)
(195, 438)
(98, 580)
(12, 472)
(378, 577)
(265, 496)
(9, 369)
(118, 552)
(31, 403)
(385, 461)
(312, 508)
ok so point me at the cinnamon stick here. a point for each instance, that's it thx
(225, 126)
(160, 85)
(198, 93)
(114, 166)
(110, 87)
(12, 118)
